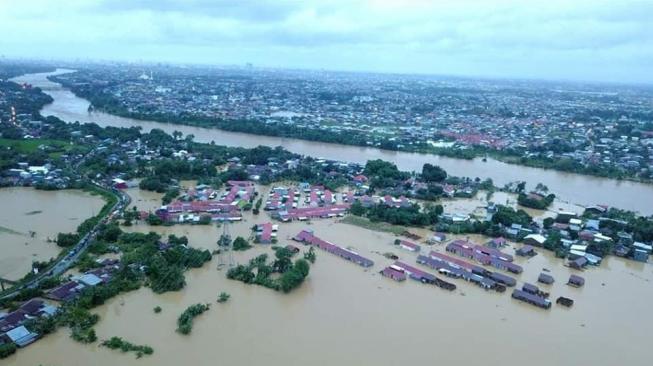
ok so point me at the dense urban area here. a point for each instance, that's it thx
(596, 129)
(556, 125)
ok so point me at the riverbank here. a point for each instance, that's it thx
(579, 189)
(288, 131)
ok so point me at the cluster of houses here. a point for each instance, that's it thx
(13, 325)
(72, 289)
(318, 203)
(282, 198)
(484, 255)
(394, 120)
(203, 201)
(456, 268)
(399, 271)
(580, 236)
(29, 175)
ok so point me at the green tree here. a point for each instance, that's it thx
(433, 173)
(310, 255)
(283, 262)
(223, 297)
(66, 240)
(241, 243)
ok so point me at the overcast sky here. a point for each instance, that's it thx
(609, 40)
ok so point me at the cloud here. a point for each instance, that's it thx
(583, 39)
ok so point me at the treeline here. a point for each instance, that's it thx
(410, 216)
(259, 271)
(537, 202)
(10, 69)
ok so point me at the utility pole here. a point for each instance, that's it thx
(225, 247)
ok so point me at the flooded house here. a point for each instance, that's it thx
(576, 281)
(424, 277)
(394, 272)
(307, 237)
(578, 263)
(545, 278)
(526, 251)
(410, 246)
(266, 233)
(532, 299)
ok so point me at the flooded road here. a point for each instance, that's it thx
(344, 314)
(30, 217)
(575, 188)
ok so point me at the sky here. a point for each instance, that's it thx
(593, 40)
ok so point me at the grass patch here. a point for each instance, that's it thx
(375, 226)
(29, 146)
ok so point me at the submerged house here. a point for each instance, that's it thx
(394, 272)
(424, 277)
(503, 279)
(497, 243)
(576, 281)
(307, 237)
(265, 233)
(545, 279)
(532, 299)
(405, 244)
(578, 263)
(526, 251)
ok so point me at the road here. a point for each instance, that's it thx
(75, 252)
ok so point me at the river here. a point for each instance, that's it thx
(579, 189)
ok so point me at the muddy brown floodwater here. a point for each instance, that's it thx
(346, 315)
(30, 217)
(580, 189)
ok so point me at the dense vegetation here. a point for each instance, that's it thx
(535, 201)
(259, 270)
(7, 350)
(241, 244)
(185, 320)
(507, 216)
(163, 271)
(412, 215)
(125, 346)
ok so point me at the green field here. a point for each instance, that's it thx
(28, 146)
